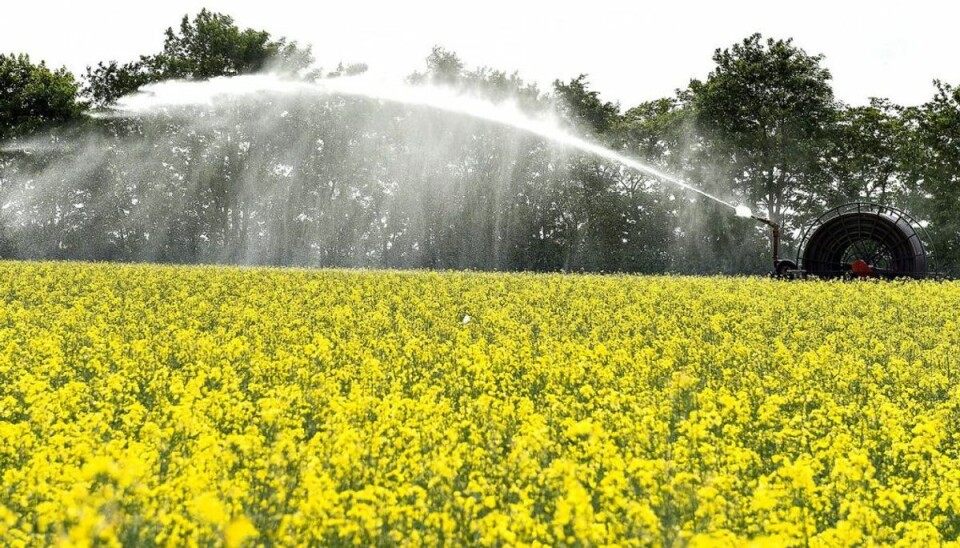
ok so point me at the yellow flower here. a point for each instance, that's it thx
(238, 531)
(209, 508)
(150, 404)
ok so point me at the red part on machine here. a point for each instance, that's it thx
(861, 268)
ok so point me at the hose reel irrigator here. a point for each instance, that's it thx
(858, 240)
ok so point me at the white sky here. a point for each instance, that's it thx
(631, 50)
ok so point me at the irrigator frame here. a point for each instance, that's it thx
(825, 244)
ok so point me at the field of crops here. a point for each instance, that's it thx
(162, 405)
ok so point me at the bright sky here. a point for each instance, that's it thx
(631, 50)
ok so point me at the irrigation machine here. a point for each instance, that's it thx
(858, 240)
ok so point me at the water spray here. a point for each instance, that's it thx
(16, 149)
(853, 240)
(177, 93)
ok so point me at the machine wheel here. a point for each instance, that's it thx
(784, 267)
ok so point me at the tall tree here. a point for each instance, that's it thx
(933, 165)
(868, 155)
(443, 67)
(209, 45)
(765, 112)
(32, 96)
(594, 213)
(213, 45)
(584, 107)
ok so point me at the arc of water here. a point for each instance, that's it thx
(186, 93)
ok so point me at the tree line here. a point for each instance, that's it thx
(351, 182)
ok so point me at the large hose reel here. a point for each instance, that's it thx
(865, 240)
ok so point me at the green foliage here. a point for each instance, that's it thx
(934, 164)
(347, 70)
(32, 96)
(765, 112)
(868, 153)
(444, 66)
(212, 45)
(584, 106)
(208, 46)
(112, 80)
(655, 127)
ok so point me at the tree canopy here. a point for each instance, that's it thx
(33, 97)
(209, 45)
(765, 113)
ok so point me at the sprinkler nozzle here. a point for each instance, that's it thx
(767, 222)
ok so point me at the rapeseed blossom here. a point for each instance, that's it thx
(146, 405)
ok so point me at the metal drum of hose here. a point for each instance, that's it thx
(884, 240)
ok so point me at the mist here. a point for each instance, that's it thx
(346, 172)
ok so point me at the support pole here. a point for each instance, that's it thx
(776, 238)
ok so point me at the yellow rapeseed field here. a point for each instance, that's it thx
(146, 405)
